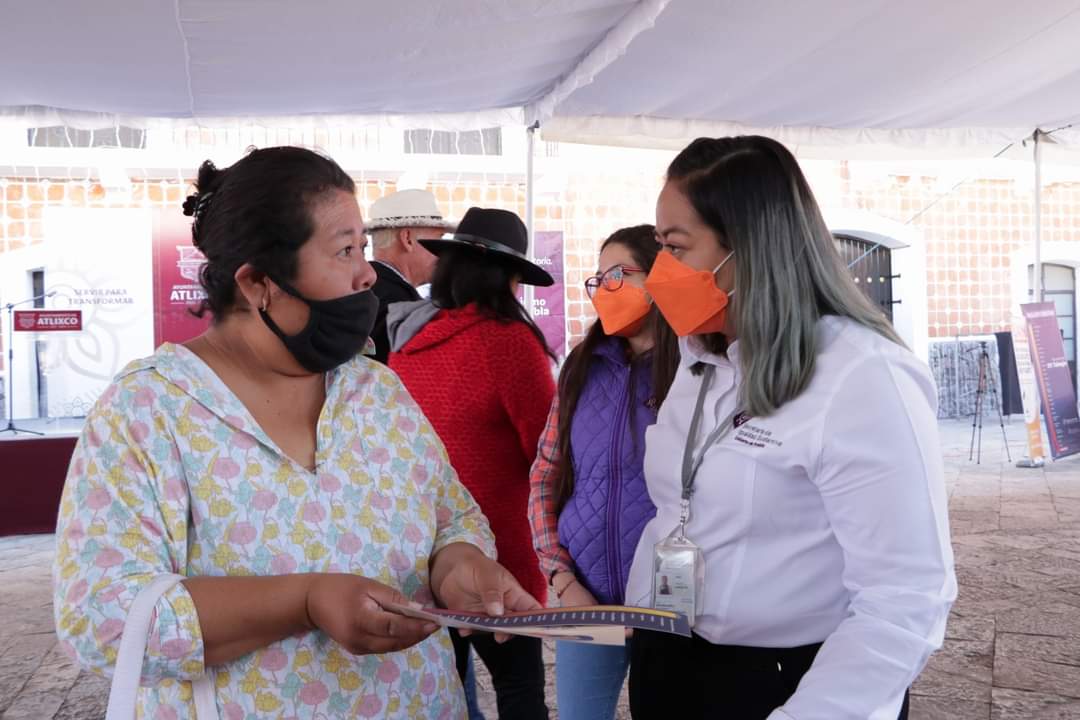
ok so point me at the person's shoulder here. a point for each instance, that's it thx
(169, 365)
(138, 389)
(848, 340)
(363, 370)
(363, 376)
(389, 287)
(854, 353)
(512, 344)
(513, 331)
(374, 393)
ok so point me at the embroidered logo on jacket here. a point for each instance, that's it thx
(754, 435)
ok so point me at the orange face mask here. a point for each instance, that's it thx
(623, 311)
(688, 299)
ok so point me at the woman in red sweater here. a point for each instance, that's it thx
(481, 371)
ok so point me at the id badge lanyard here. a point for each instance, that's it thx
(678, 563)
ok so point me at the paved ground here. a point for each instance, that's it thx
(1012, 648)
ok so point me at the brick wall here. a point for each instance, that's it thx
(970, 237)
(23, 201)
(970, 233)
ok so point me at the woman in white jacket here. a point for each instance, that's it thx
(795, 465)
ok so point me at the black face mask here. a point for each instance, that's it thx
(336, 331)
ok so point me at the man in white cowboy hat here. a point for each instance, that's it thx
(397, 224)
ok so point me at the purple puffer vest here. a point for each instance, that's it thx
(603, 519)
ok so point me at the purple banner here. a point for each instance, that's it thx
(549, 304)
(1055, 381)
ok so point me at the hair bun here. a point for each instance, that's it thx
(190, 204)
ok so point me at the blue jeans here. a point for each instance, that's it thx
(517, 672)
(470, 692)
(588, 679)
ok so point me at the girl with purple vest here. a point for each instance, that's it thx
(588, 502)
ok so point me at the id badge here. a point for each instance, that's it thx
(678, 575)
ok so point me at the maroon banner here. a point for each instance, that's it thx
(176, 279)
(34, 472)
(549, 304)
(1054, 378)
(47, 321)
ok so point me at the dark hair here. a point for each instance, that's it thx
(788, 273)
(258, 211)
(640, 240)
(690, 169)
(463, 277)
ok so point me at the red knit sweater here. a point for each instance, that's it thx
(486, 386)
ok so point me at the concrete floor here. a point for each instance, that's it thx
(1012, 648)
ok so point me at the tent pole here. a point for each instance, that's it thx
(530, 179)
(530, 219)
(1032, 460)
(1037, 282)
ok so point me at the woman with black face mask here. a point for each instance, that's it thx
(252, 500)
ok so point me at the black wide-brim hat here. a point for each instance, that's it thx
(499, 234)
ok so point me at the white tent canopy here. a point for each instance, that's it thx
(214, 58)
(969, 76)
(829, 73)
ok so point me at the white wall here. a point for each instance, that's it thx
(908, 247)
(1056, 253)
(16, 286)
(99, 261)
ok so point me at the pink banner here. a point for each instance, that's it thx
(1054, 378)
(176, 279)
(549, 304)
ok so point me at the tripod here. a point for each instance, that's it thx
(987, 386)
(10, 307)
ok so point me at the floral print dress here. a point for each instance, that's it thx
(173, 475)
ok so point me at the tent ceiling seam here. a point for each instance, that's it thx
(187, 58)
(613, 45)
(1013, 46)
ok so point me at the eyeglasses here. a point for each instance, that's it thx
(611, 279)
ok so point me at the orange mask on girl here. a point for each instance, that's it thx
(622, 312)
(688, 299)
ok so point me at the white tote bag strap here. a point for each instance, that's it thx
(129, 659)
(204, 696)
